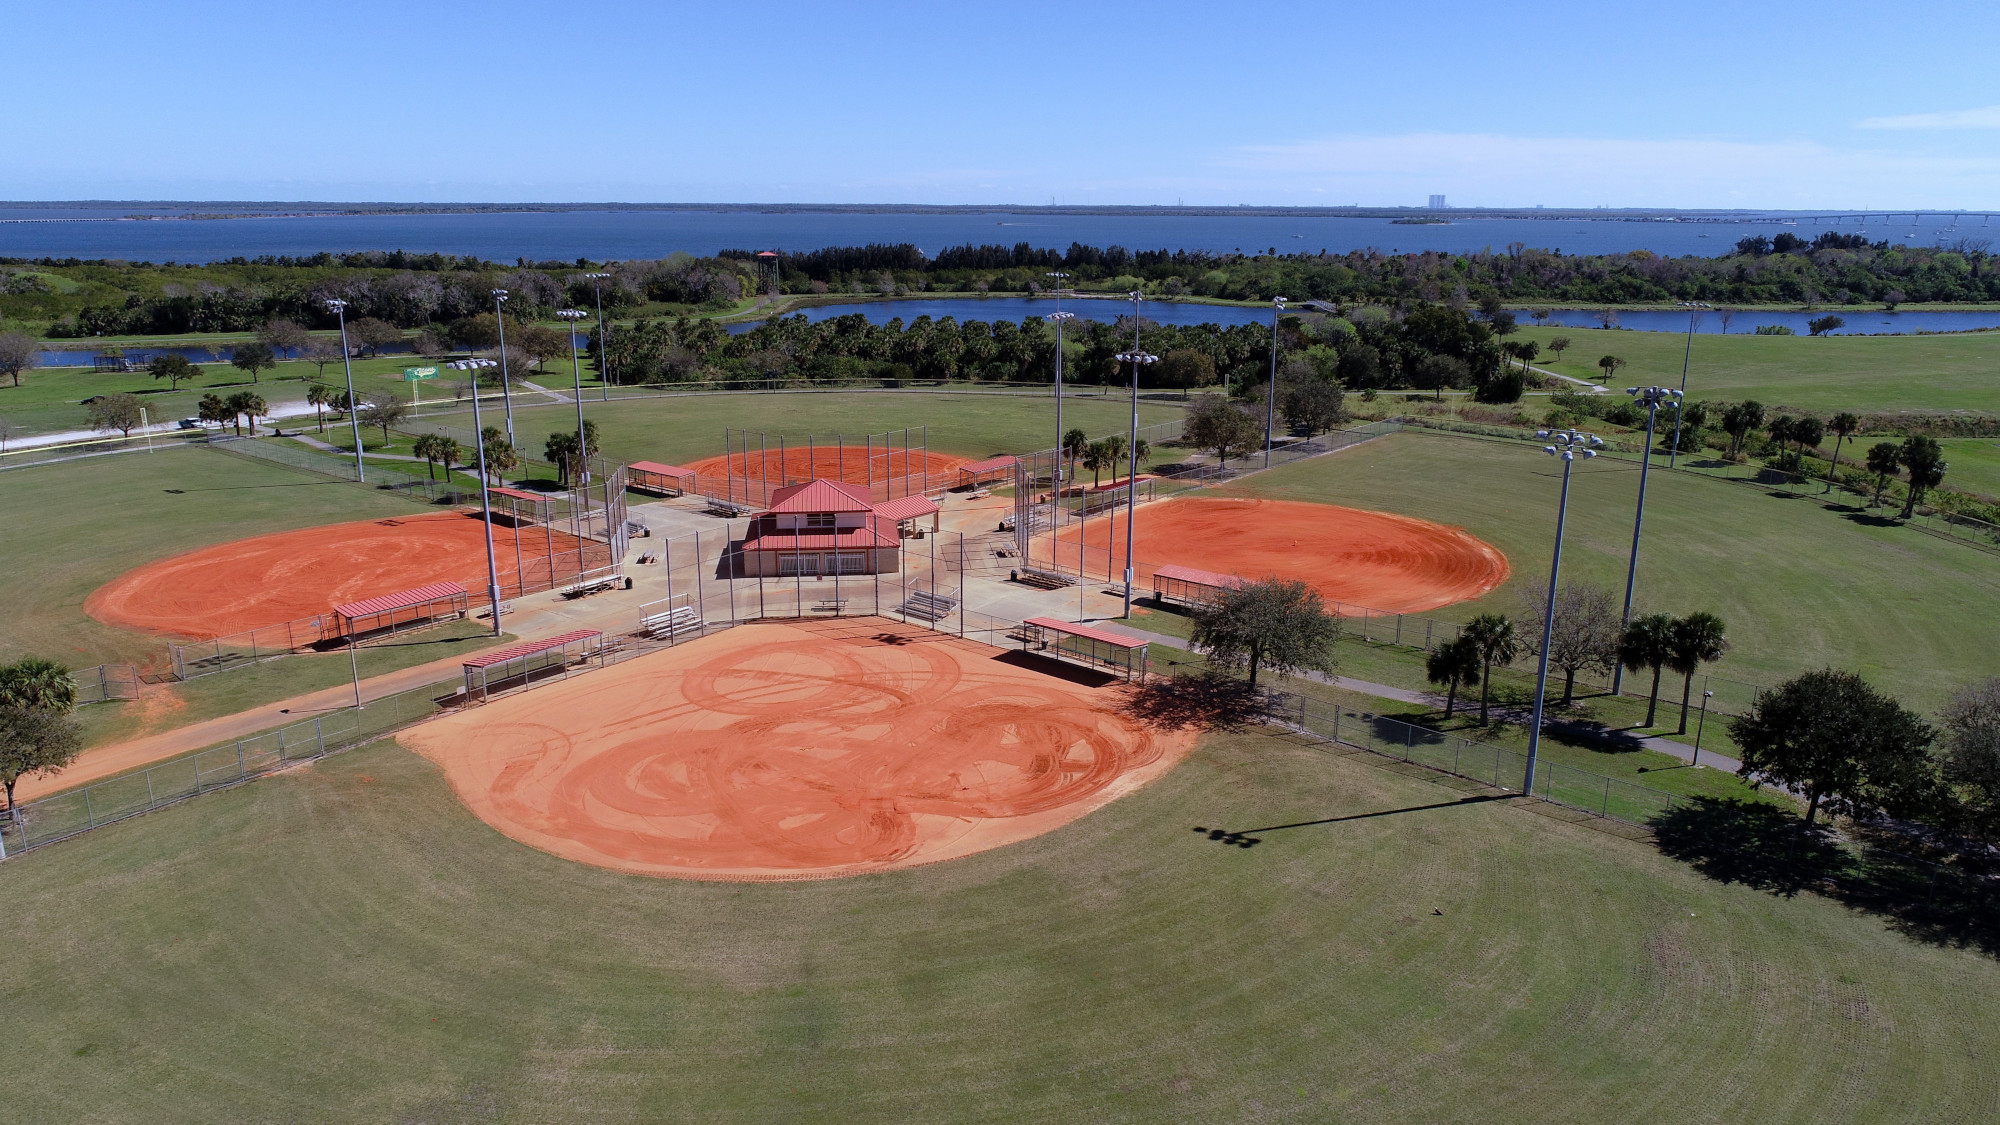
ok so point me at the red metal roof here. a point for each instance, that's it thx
(1121, 482)
(1198, 577)
(1116, 640)
(785, 539)
(821, 496)
(530, 648)
(908, 508)
(368, 607)
(1004, 461)
(659, 470)
(537, 497)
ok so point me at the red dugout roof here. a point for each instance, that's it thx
(369, 607)
(991, 464)
(784, 539)
(908, 508)
(1116, 640)
(659, 470)
(516, 652)
(1198, 577)
(517, 494)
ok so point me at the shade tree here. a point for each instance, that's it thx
(1453, 664)
(1277, 623)
(1844, 746)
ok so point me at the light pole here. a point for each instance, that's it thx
(475, 365)
(1057, 319)
(500, 321)
(603, 335)
(1568, 445)
(1137, 359)
(1653, 398)
(1271, 399)
(1699, 724)
(1695, 309)
(339, 308)
(571, 316)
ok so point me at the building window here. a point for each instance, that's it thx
(819, 519)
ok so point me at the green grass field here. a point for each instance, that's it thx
(1800, 583)
(345, 942)
(1975, 464)
(1860, 373)
(685, 428)
(76, 525)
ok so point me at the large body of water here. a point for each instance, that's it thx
(628, 235)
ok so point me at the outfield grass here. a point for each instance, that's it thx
(73, 526)
(1826, 373)
(345, 942)
(226, 693)
(1975, 464)
(684, 428)
(1800, 582)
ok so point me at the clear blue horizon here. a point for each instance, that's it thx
(1837, 105)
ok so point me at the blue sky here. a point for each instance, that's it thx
(1747, 104)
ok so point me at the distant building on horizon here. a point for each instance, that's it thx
(1437, 203)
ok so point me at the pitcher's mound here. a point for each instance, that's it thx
(796, 750)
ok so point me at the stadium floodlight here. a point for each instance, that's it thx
(1137, 359)
(576, 367)
(475, 365)
(339, 309)
(506, 397)
(597, 281)
(1568, 445)
(1653, 398)
(1695, 309)
(1271, 399)
(1057, 317)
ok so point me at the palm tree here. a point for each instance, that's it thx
(1114, 453)
(1074, 444)
(38, 683)
(1648, 643)
(448, 451)
(1144, 450)
(1842, 426)
(560, 451)
(1451, 664)
(1924, 458)
(317, 397)
(426, 447)
(1694, 640)
(1885, 460)
(1494, 636)
(1095, 458)
(247, 404)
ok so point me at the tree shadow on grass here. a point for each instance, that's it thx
(1772, 850)
(1865, 519)
(1206, 701)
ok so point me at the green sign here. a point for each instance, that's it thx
(415, 373)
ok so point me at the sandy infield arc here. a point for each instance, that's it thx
(795, 750)
(1351, 555)
(270, 579)
(849, 463)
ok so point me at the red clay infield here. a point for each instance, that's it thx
(1359, 558)
(850, 463)
(271, 579)
(795, 750)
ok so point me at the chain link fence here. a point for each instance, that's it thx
(105, 683)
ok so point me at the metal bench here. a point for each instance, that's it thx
(682, 619)
(593, 586)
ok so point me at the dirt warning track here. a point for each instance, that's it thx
(796, 750)
(1383, 561)
(271, 579)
